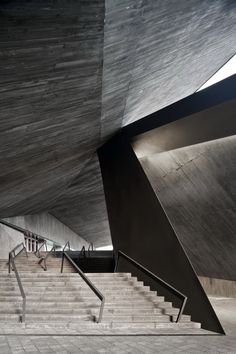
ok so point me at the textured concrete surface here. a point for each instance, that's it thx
(47, 226)
(140, 229)
(226, 311)
(72, 73)
(196, 186)
(157, 52)
(62, 344)
(83, 205)
(92, 345)
(51, 81)
(218, 287)
(8, 239)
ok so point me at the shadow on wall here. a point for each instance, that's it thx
(140, 228)
(197, 188)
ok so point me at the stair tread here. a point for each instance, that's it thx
(52, 297)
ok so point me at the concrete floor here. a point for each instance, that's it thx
(225, 308)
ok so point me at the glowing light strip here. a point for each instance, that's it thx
(105, 248)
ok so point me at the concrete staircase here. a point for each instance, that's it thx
(59, 299)
(31, 264)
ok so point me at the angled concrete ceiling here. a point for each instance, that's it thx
(74, 72)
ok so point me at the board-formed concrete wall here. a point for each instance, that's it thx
(42, 224)
(141, 229)
(218, 287)
(197, 188)
(9, 238)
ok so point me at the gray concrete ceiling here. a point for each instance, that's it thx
(74, 72)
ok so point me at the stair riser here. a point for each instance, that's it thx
(77, 286)
(107, 277)
(91, 301)
(64, 298)
(80, 310)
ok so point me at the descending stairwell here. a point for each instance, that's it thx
(95, 261)
(54, 298)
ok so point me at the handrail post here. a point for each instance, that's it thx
(23, 309)
(90, 284)
(26, 252)
(181, 310)
(45, 265)
(44, 259)
(90, 246)
(83, 251)
(101, 311)
(62, 262)
(12, 263)
(9, 263)
(116, 262)
(37, 252)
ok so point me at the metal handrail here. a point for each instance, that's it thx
(11, 262)
(63, 251)
(66, 245)
(83, 250)
(152, 275)
(44, 259)
(90, 246)
(15, 248)
(37, 253)
(88, 282)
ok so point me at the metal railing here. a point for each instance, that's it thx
(86, 279)
(37, 253)
(90, 247)
(82, 252)
(12, 266)
(156, 278)
(44, 259)
(67, 245)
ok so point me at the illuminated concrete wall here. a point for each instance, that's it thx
(197, 188)
(42, 224)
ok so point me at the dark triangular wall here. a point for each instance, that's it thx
(141, 229)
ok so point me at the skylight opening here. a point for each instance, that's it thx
(225, 71)
(105, 248)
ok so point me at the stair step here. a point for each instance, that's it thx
(59, 317)
(159, 325)
(62, 309)
(54, 298)
(74, 298)
(27, 274)
(134, 318)
(109, 307)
